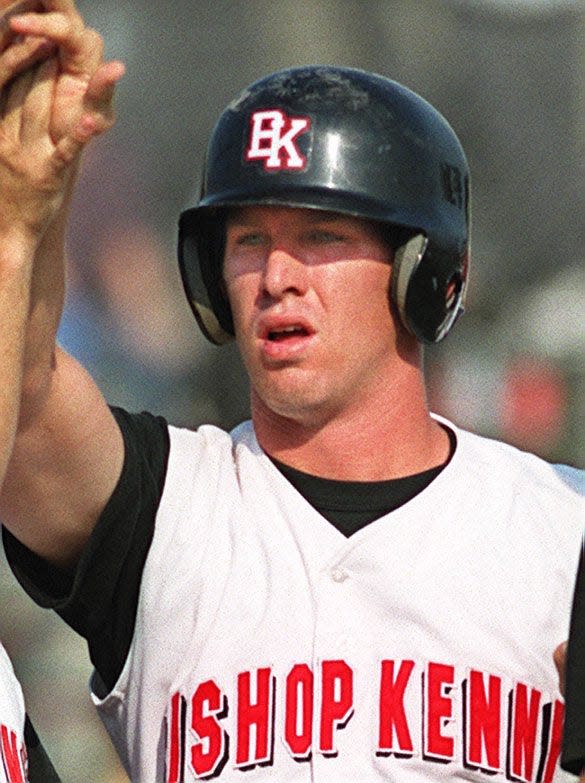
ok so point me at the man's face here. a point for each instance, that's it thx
(309, 292)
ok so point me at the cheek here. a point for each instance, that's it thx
(363, 300)
(241, 294)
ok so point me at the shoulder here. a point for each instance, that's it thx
(521, 495)
(203, 462)
(211, 443)
(532, 510)
(495, 459)
(161, 448)
(207, 441)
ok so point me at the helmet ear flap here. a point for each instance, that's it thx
(407, 257)
(428, 294)
(200, 253)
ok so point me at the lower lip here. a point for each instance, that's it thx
(288, 349)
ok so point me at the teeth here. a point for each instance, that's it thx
(275, 333)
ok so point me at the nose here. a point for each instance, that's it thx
(284, 273)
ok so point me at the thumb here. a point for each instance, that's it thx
(98, 105)
(560, 659)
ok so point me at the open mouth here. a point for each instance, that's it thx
(286, 333)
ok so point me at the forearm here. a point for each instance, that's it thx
(15, 285)
(47, 298)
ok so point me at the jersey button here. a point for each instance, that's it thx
(339, 574)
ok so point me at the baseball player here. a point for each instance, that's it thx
(347, 587)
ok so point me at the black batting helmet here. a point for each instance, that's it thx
(344, 140)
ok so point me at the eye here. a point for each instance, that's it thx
(322, 236)
(246, 239)
(251, 238)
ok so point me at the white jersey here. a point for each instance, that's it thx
(13, 763)
(270, 647)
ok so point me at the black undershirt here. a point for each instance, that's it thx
(351, 505)
(100, 599)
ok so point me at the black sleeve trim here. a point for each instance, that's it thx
(99, 600)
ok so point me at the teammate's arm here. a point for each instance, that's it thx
(68, 449)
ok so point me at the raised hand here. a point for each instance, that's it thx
(33, 169)
(48, 111)
(83, 99)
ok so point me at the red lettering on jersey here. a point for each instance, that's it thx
(523, 730)
(336, 702)
(273, 137)
(394, 734)
(483, 718)
(438, 711)
(176, 739)
(554, 745)
(520, 739)
(298, 726)
(207, 706)
(11, 758)
(255, 713)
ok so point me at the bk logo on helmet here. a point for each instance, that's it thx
(273, 139)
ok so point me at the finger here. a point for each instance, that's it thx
(560, 659)
(560, 655)
(76, 43)
(22, 55)
(91, 51)
(36, 111)
(10, 10)
(68, 150)
(81, 48)
(98, 115)
(15, 97)
(65, 6)
(102, 85)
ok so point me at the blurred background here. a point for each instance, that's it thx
(509, 76)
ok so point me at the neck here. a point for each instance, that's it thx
(370, 441)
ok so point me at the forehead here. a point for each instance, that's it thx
(260, 214)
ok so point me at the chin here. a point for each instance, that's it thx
(292, 399)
